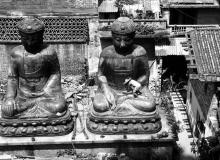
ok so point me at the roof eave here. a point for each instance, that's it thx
(189, 6)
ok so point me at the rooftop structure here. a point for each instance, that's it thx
(204, 50)
(190, 4)
(173, 46)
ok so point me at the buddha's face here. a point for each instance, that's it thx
(32, 42)
(123, 43)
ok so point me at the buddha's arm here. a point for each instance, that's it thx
(55, 77)
(12, 79)
(101, 78)
(143, 70)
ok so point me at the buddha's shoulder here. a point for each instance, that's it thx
(139, 51)
(108, 51)
(17, 52)
(49, 50)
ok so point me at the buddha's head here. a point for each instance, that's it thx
(123, 32)
(31, 31)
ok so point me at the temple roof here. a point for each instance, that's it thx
(205, 49)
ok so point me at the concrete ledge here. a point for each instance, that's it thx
(93, 138)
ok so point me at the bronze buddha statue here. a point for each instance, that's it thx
(34, 103)
(123, 102)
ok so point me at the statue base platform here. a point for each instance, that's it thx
(84, 143)
(37, 126)
(124, 125)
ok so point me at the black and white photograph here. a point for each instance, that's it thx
(109, 79)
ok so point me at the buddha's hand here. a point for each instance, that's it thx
(110, 97)
(37, 94)
(135, 85)
(47, 92)
(9, 108)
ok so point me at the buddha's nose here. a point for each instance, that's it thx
(122, 43)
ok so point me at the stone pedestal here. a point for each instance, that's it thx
(52, 126)
(86, 143)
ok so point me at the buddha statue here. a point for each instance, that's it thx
(34, 104)
(123, 102)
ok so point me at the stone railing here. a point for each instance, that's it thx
(144, 26)
(182, 29)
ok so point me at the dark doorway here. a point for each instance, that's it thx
(175, 73)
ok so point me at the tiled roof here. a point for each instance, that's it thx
(174, 47)
(108, 6)
(205, 44)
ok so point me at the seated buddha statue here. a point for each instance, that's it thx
(123, 102)
(34, 103)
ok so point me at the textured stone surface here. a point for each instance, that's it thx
(16, 7)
